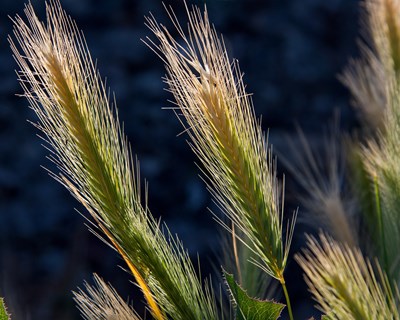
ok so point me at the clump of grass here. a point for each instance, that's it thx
(344, 283)
(374, 82)
(96, 165)
(89, 148)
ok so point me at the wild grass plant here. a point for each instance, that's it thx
(349, 275)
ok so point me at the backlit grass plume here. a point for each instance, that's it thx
(345, 284)
(322, 178)
(369, 79)
(383, 32)
(226, 137)
(366, 80)
(377, 159)
(87, 144)
(375, 76)
(102, 302)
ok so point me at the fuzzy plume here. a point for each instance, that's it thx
(102, 302)
(225, 135)
(374, 82)
(344, 283)
(322, 178)
(89, 148)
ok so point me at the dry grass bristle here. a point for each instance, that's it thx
(344, 284)
(102, 302)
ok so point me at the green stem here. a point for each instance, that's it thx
(289, 306)
(380, 224)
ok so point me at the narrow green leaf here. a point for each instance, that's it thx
(248, 308)
(3, 310)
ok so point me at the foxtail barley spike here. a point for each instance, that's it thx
(95, 162)
(102, 302)
(225, 135)
(344, 283)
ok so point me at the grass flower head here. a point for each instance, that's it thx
(95, 162)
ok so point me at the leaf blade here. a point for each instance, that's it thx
(248, 308)
(3, 310)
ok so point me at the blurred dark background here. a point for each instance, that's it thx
(291, 52)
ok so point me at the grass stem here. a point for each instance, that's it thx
(380, 224)
(285, 291)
